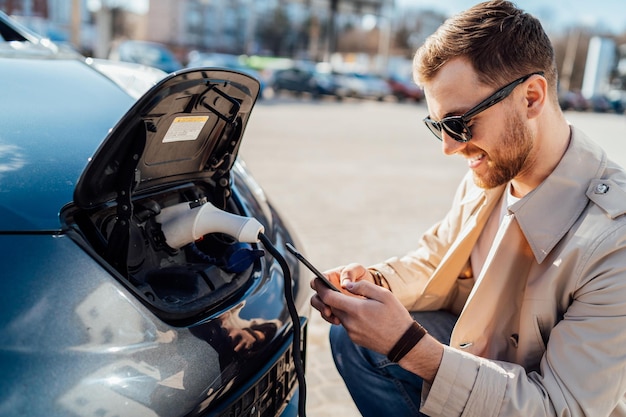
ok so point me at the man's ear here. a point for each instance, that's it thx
(536, 95)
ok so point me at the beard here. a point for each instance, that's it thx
(511, 156)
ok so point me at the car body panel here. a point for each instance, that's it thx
(135, 79)
(40, 167)
(104, 351)
(80, 334)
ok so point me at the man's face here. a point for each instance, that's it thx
(501, 147)
(507, 159)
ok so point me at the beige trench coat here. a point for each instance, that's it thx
(543, 333)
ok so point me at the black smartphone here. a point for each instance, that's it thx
(313, 269)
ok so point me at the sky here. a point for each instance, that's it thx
(554, 15)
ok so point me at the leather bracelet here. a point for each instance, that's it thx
(409, 339)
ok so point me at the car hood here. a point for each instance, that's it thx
(54, 114)
(189, 125)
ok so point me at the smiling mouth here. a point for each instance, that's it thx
(475, 160)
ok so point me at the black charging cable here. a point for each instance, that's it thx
(296, 350)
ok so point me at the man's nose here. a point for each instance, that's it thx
(449, 146)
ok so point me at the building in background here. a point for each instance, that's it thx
(59, 20)
(601, 61)
(352, 35)
(292, 28)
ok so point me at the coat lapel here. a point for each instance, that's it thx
(444, 278)
(484, 328)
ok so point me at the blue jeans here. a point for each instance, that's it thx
(380, 387)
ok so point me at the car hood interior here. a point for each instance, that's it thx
(189, 125)
(175, 148)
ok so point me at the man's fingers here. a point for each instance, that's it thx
(366, 289)
(351, 273)
(325, 311)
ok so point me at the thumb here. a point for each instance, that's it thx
(365, 289)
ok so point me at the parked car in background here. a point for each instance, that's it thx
(299, 80)
(617, 97)
(405, 89)
(220, 60)
(573, 100)
(152, 54)
(363, 86)
(600, 103)
(134, 282)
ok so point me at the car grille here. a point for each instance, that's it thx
(272, 391)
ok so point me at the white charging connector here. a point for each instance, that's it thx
(185, 223)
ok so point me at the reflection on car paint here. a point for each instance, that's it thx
(11, 158)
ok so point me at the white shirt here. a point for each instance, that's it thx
(485, 242)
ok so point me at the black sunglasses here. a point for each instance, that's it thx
(456, 126)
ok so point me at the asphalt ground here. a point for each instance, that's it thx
(359, 181)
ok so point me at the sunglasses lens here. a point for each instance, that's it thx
(456, 128)
(434, 127)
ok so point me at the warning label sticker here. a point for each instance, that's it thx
(185, 128)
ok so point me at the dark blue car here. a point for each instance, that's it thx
(298, 80)
(144, 272)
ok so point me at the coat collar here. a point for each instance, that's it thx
(549, 211)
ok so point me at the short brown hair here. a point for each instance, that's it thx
(501, 41)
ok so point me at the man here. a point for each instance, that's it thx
(525, 277)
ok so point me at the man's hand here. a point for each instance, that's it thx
(340, 277)
(373, 318)
(371, 315)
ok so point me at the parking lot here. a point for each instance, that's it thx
(359, 181)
